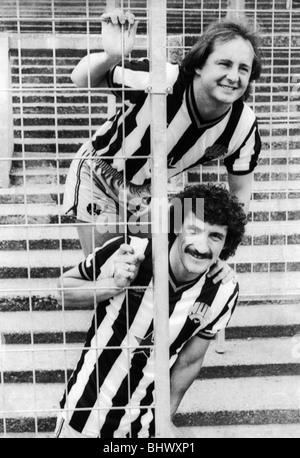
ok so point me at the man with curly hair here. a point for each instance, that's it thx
(111, 391)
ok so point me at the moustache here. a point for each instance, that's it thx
(196, 254)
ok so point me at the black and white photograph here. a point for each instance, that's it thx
(150, 221)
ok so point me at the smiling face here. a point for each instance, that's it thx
(225, 76)
(197, 247)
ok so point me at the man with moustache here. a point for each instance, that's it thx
(111, 391)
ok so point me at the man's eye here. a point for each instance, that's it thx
(245, 70)
(216, 238)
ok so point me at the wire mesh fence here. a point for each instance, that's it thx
(48, 119)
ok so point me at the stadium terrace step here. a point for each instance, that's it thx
(240, 356)
(194, 16)
(246, 408)
(47, 317)
(36, 259)
(246, 411)
(243, 432)
(258, 279)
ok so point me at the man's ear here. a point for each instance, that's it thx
(198, 71)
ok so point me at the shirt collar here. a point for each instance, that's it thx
(194, 112)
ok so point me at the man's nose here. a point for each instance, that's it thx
(233, 75)
(202, 244)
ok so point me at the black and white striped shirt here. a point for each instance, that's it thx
(233, 138)
(110, 393)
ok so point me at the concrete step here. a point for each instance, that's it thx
(265, 194)
(71, 133)
(38, 319)
(265, 403)
(261, 257)
(20, 238)
(48, 163)
(73, 26)
(37, 233)
(242, 401)
(242, 432)
(276, 202)
(15, 290)
(266, 400)
(255, 280)
(51, 258)
(273, 174)
(276, 356)
(272, 318)
(267, 175)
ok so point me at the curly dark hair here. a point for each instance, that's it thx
(220, 208)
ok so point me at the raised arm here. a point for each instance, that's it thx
(118, 39)
(241, 187)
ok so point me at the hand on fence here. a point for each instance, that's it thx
(127, 266)
(118, 33)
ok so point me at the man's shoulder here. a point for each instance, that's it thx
(229, 289)
(224, 289)
(247, 113)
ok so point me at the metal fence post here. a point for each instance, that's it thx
(112, 4)
(235, 9)
(158, 89)
(6, 113)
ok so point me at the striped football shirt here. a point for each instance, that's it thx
(233, 138)
(111, 391)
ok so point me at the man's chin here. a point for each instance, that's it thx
(198, 266)
(229, 98)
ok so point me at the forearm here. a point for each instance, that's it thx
(186, 369)
(241, 187)
(82, 293)
(181, 379)
(92, 69)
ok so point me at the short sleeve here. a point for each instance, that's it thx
(91, 268)
(130, 79)
(244, 160)
(221, 313)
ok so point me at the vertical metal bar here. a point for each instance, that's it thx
(6, 114)
(220, 345)
(236, 9)
(289, 4)
(2, 386)
(112, 4)
(158, 36)
(272, 121)
(289, 153)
